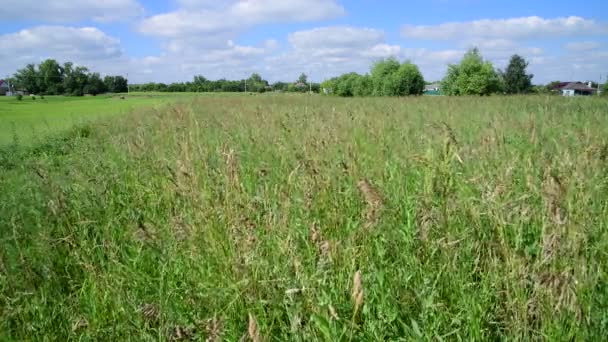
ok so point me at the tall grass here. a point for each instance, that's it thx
(308, 218)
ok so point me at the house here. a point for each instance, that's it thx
(3, 87)
(432, 89)
(574, 89)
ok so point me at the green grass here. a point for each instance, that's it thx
(230, 216)
(29, 121)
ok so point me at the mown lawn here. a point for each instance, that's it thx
(289, 217)
(30, 121)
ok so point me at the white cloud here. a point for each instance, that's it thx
(336, 36)
(61, 42)
(205, 18)
(582, 46)
(70, 10)
(512, 28)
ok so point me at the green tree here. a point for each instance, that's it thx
(516, 81)
(119, 84)
(473, 76)
(363, 86)
(384, 84)
(303, 79)
(409, 80)
(28, 79)
(51, 77)
(94, 85)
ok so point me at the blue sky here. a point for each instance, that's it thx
(173, 40)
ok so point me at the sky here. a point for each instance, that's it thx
(174, 40)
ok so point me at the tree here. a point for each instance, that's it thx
(27, 78)
(94, 85)
(50, 77)
(473, 76)
(409, 80)
(516, 81)
(382, 77)
(303, 79)
(605, 89)
(119, 84)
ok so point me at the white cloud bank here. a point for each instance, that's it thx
(511, 28)
(64, 11)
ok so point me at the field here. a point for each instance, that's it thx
(30, 121)
(294, 217)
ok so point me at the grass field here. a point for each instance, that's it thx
(284, 217)
(31, 121)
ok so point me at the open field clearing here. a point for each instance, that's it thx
(30, 121)
(290, 217)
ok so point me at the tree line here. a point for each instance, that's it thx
(52, 78)
(472, 76)
(386, 78)
(255, 84)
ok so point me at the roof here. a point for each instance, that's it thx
(432, 86)
(572, 86)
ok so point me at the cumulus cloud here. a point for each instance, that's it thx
(86, 43)
(204, 17)
(70, 10)
(511, 28)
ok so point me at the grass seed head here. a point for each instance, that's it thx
(252, 329)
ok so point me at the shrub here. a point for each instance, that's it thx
(33, 97)
(19, 97)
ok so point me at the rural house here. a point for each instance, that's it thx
(432, 89)
(574, 88)
(3, 87)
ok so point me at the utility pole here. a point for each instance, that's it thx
(128, 90)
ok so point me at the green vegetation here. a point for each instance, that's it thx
(51, 78)
(515, 79)
(472, 76)
(288, 217)
(27, 121)
(254, 84)
(387, 78)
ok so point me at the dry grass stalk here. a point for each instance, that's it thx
(151, 312)
(373, 202)
(252, 329)
(79, 325)
(145, 233)
(213, 330)
(562, 287)
(333, 313)
(555, 193)
(179, 333)
(426, 221)
(357, 292)
(232, 166)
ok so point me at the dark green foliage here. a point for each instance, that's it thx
(473, 76)
(387, 78)
(116, 84)
(255, 83)
(516, 81)
(51, 78)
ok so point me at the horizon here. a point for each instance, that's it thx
(175, 40)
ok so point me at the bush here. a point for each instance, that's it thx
(34, 98)
(42, 97)
(19, 97)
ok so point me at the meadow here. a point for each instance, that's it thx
(297, 217)
(31, 121)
